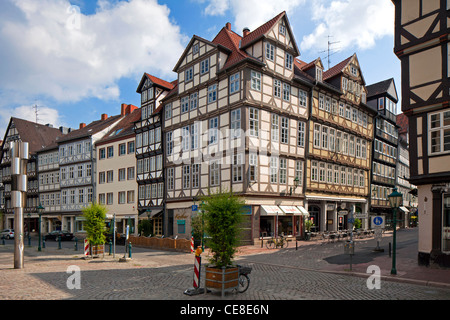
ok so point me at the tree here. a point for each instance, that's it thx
(95, 225)
(222, 215)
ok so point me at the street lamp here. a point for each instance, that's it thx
(296, 183)
(395, 200)
(40, 210)
(203, 225)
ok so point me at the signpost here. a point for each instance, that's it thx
(378, 223)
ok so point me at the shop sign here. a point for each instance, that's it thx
(247, 210)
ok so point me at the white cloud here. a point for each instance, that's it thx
(352, 23)
(45, 115)
(53, 51)
(251, 13)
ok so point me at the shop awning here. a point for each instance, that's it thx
(303, 211)
(404, 209)
(153, 213)
(271, 211)
(291, 210)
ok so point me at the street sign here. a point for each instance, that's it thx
(378, 222)
(194, 207)
(351, 220)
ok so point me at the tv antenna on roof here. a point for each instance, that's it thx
(330, 51)
(36, 110)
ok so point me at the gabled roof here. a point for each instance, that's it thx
(337, 69)
(37, 135)
(123, 128)
(91, 129)
(262, 31)
(159, 82)
(382, 88)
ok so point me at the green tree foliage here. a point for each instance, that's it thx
(94, 225)
(222, 215)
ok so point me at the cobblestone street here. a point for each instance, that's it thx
(314, 272)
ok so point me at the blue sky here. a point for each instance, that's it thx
(78, 59)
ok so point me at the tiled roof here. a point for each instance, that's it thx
(260, 31)
(402, 122)
(37, 135)
(124, 128)
(230, 40)
(337, 69)
(378, 88)
(160, 82)
(92, 128)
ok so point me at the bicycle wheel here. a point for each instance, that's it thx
(244, 282)
(270, 244)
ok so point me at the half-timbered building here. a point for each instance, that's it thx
(382, 97)
(38, 137)
(237, 122)
(422, 45)
(149, 153)
(339, 146)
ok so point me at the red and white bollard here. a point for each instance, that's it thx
(192, 244)
(197, 270)
(86, 247)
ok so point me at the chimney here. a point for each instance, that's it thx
(228, 26)
(123, 109)
(246, 31)
(104, 116)
(130, 108)
(82, 125)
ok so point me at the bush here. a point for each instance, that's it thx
(222, 215)
(145, 228)
(95, 225)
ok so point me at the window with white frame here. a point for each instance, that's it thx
(299, 171)
(273, 169)
(336, 174)
(439, 132)
(185, 138)
(331, 138)
(193, 100)
(286, 92)
(195, 175)
(213, 130)
(283, 170)
(341, 109)
(348, 112)
(204, 66)
(324, 137)
(314, 171)
(168, 111)
(319, 73)
(194, 136)
(317, 135)
(289, 60)
(234, 83)
(170, 178)
(236, 123)
(169, 142)
(184, 104)
(189, 74)
(321, 102)
(256, 80)
(302, 98)
(301, 134)
(186, 177)
(253, 167)
(254, 122)
(270, 49)
(277, 88)
(212, 93)
(214, 173)
(284, 130)
(329, 173)
(327, 104)
(321, 172)
(238, 167)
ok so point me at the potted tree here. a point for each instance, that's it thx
(95, 227)
(308, 225)
(222, 216)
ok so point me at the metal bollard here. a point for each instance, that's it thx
(59, 242)
(390, 249)
(129, 250)
(76, 244)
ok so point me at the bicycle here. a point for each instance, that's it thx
(244, 279)
(275, 243)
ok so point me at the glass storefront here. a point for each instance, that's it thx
(446, 224)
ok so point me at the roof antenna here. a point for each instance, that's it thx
(36, 110)
(330, 51)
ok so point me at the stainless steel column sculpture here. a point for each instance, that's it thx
(19, 157)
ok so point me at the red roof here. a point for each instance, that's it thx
(230, 40)
(337, 69)
(260, 31)
(160, 82)
(402, 122)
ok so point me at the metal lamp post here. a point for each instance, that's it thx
(395, 200)
(203, 226)
(296, 183)
(40, 210)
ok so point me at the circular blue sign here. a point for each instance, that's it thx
(378, 221)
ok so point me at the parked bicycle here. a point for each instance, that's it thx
(244, 279)
(275, 243)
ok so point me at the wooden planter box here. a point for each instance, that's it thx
(224, 279)
(98, 250)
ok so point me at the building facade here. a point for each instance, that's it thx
(116, 186)
(382, 97)
(149, 154)
(422, 45)
(339, 145)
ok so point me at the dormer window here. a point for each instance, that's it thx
(319, 74)
(354, 71)
(282, 29)
(144, 96)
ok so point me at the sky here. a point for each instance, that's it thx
(66, 62)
